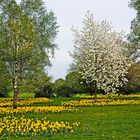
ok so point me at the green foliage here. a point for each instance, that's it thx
(133, 76)
(64, 91)
(27, 38)
(3, 90)
(35, 82)
(45, 91)
(135, 4)
(75, 81)
(16, 43)
(4, 82)
(134, 36)
(58, 83)
(79, 85)
(63, 88)
(45, 27)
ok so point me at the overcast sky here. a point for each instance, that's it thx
(72, 12)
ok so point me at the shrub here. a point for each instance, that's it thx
(3, 91)
(45, 91)
(64, 91)
(58, 83)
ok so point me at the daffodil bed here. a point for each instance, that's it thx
(99, 103)
(110, 96)
(25, 126)
(12, 124)
(73, 118)
(35, 109)
(4, 102)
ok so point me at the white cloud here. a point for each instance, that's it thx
(62, 56)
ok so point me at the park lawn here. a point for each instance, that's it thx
(22, 95)
(96, 123)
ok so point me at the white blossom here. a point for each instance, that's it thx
(100, 54)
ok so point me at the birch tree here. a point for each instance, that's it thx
(100, 55)
(26, 40)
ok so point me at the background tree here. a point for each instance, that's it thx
(134, 78)
(64, 91)
(27, 36)
(35, 83)
(58, 83)
(61, 89)
(134, 36)
(75, 81)
(100, 55)
(44, 87)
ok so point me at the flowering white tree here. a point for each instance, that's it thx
(100, 55)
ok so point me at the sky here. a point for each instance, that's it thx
(71, 13)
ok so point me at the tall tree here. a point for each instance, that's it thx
(75, 81)
(100, 55)
(134, 36)
(27, 38)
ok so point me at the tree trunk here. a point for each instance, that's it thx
(119, 94)
(16, 92)
(16, 68)
(95, 91)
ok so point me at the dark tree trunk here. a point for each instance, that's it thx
(92, 88)
(95, 91)
(119, 94)
(91, 93)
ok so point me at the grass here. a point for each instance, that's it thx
(102, 123)
(22, 95)
(97, 123)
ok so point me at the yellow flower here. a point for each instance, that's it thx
(22, 127)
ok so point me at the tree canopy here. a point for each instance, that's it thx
(134, 36)
(27, 39)
(100, 54)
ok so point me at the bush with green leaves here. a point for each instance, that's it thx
(45, 91)
(3, 91)
(64, 91)
(5, 86)
(133, 76)
(58, 83)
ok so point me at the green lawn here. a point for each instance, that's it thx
(22, 95)
(97, 123)
(102, 123)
